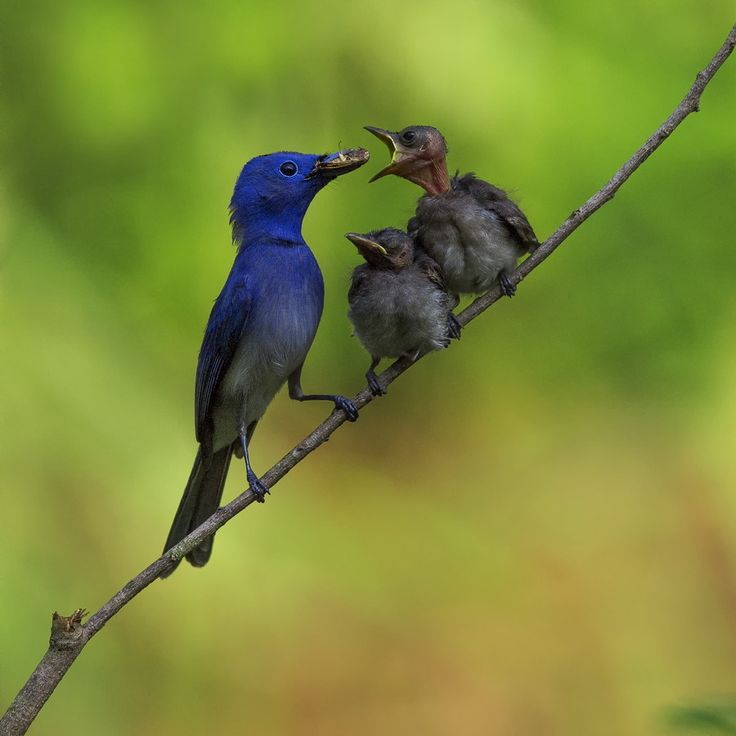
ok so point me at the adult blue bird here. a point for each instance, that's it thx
(261, 326)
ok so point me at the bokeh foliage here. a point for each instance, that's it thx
(533, 533)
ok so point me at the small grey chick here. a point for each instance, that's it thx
(471, 228)
(398, 304)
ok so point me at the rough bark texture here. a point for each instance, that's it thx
(69, 635)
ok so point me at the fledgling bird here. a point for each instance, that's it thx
(474, 231)
(398, 303)
(261, 326)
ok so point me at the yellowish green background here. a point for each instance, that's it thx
(532, 534)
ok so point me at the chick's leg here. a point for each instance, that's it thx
(508, 288)
(373, 383)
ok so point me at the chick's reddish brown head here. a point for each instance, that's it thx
(417, 154)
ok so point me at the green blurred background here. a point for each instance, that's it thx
(532, 534)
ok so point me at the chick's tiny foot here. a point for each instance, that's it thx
(374, 385)
(453, 326)
(351, 411)
(258, 487)
(508, 288)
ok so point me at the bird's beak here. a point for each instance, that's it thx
(398, 153)
(366, 245)
(341, 162)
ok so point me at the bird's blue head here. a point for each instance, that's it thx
(273, 192)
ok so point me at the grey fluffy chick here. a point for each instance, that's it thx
(471, 228)
(398, 304)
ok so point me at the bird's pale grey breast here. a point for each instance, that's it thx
(286, 307)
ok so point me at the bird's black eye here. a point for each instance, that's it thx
(288, 168)
(408, 136)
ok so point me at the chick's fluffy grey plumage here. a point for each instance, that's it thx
(474, 232)
(398, 303)
(398, 312)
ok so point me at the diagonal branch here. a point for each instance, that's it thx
(69, 635)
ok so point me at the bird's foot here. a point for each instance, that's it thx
(453, 326)
(351, 411)
(374, 385)
(258, 487)
(508, 288)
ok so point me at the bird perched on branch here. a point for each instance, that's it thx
(261, 326)
(398, 303)
(474, 231)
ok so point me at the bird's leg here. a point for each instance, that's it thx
(341, 402)
(453, 326)
(508, 288)
(372, 378)
(256, 484)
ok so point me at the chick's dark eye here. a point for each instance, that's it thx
(408, 136)
(288, 168)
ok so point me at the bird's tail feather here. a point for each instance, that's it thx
(200, 500)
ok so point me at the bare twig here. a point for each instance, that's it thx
(69, 635)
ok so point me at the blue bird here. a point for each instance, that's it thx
(260, 328)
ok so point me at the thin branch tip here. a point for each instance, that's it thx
(67, 632)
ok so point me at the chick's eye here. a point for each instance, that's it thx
(288, 168)
(408, 136)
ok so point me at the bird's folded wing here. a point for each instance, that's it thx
(497, 201)
(222, 335)
(431, 270)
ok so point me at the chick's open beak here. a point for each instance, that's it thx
(341, 162)
(365, 245)
(398, 153)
